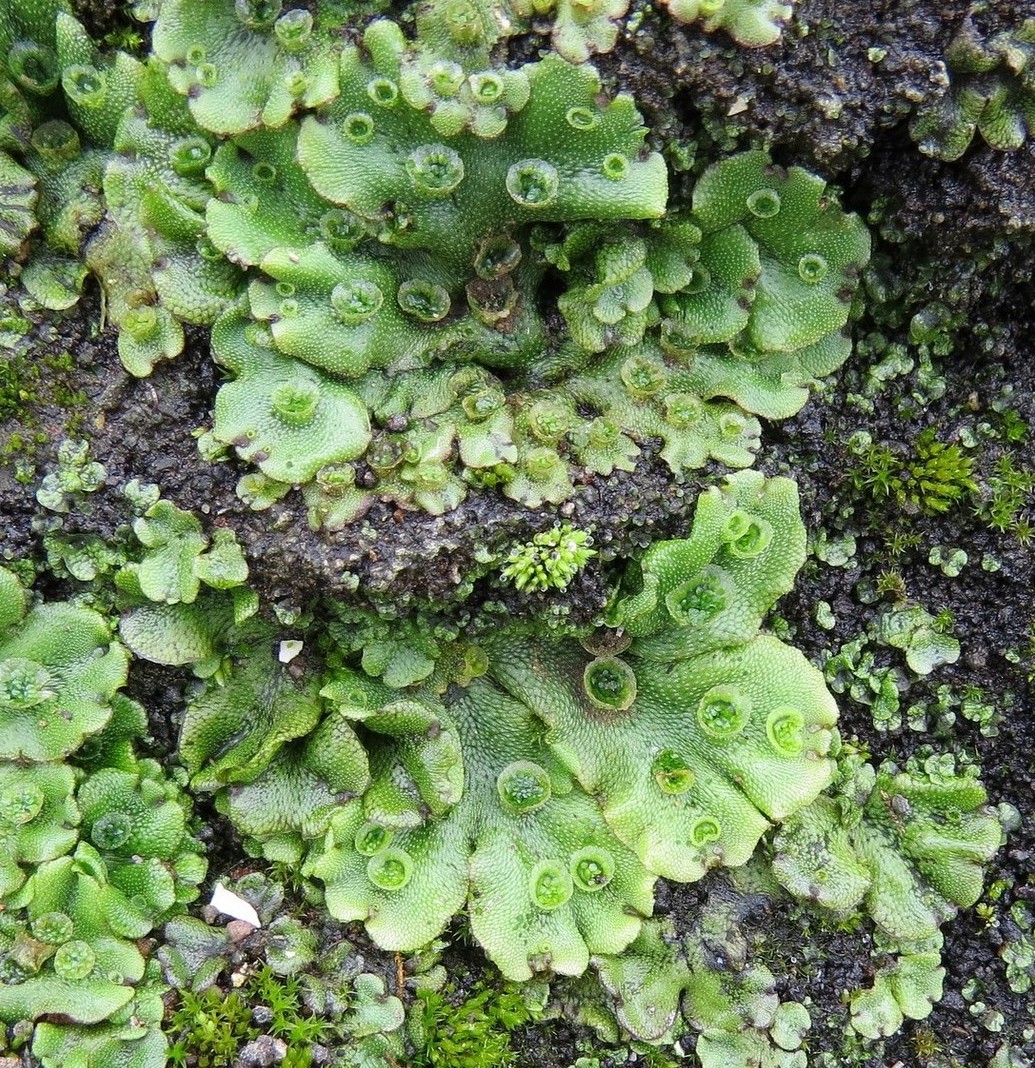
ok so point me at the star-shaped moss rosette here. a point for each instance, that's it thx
(908, 845)
(752, 23)
(550, 560)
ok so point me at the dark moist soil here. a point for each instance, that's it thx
(836, 95)
(142, 428)
(993, 615)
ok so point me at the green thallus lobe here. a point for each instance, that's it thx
(371, 208)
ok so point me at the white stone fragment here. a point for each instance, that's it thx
(229, 904)
(289, 650)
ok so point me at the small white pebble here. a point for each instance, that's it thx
(289, 650)
(739, 106)
(229, 904)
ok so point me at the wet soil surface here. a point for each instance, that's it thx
(835, 95)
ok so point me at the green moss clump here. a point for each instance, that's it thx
(1006, 495)
(550, 561)
(936, 477)
(469, 1032)
(33, 376)
(209, 1029)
